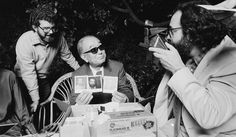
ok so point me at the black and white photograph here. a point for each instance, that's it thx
(80, 83)
(94, 83)
(175, 59)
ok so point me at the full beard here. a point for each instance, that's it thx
(47, 38)
(184, 48)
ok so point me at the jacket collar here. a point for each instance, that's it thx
(212, 53)
(106, 68)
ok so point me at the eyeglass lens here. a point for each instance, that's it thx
(48, 29)
(170, 30)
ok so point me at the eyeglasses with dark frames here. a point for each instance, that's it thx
(95, 49)
(48, 29)
(170, 31)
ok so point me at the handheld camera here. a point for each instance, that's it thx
(159, 43)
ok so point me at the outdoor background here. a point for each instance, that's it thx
(120, 24)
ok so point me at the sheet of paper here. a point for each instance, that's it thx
(80, 83)
(110, 84)
(211, 7)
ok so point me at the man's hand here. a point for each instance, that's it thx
(119, 97)
(34, 106)
(170, 59)
(84, 98)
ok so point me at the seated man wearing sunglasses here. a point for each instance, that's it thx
(93, 53)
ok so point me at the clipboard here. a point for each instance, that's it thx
(5, 127)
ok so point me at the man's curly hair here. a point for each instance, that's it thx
(200, 26)
(42, 12)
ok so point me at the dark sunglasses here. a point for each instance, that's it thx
(95, 49)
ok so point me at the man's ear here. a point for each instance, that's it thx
(34, 28)
(84, 58)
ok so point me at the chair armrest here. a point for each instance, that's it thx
(45, 102)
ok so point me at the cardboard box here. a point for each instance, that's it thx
(125, 123)
(74, 127)
(117, 120)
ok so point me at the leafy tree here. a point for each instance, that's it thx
(119, 23)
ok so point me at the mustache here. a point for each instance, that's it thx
(50, 35)
(53, 34)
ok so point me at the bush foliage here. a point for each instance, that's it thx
(108, 19)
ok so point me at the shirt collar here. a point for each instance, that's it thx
(94, 71)
(36, 40)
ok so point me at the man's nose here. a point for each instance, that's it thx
(50, 31)
(168, 38)
(99, 51)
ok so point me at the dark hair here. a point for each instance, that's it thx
(200, 26)
(42, 12)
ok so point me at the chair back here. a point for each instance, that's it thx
(137, 96)
(50, 114)
(62, 88)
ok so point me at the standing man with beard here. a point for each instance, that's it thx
(35, 51)
(198, 98)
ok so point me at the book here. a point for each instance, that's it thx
(110, 84)
(80, 83)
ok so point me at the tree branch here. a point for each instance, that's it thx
(119, 9)
(132, 14)
(129, 11)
